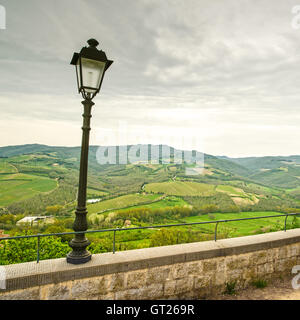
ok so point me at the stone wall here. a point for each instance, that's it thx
(187, 271)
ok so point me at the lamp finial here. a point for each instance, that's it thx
(93, 43)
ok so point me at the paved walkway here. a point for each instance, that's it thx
(278, 290)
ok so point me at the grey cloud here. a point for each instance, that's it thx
(234, 61)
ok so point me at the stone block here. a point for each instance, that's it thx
(290, 263)
(131, 294)
(221, 265)
(259, 257)
(27, 294)
(282, 252)
(269, 267)
(210, 265)
(89, 288)
(108, 296)
(201, 281)
(237, 262)
(279, 265)
(182, 270)
(293, 250)
(219, 278)
(179, 270)
(117, 282)
(272, 254)
(194, 268)
(157, 275)
(285, 265)
(169, 287)
(136, 279)
(59, 291)
(249, 273)
(234, 275)
(184, 285)
(261, 269)
(152, 292)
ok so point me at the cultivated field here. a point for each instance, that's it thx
(125, 201)
(181, 188)
(18, 186)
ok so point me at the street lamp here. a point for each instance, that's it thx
(91, 65)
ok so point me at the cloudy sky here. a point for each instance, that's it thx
(219, 76)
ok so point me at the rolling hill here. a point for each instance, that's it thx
(34, 177)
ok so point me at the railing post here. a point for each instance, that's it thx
(114, 244)
(285, 222)
(216, 231)
(38, 250)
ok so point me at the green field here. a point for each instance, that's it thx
(238, 195)
(16, 187)
(239, 228)
(125, 201)
(169, 201)
(6, 167)
(232, 191)
(93, 192)
(180, 188)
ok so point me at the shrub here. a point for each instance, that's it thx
(24, 250)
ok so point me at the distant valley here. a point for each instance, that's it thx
(40, 180)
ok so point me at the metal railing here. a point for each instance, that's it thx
(38, 236)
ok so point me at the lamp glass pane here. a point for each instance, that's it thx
(92, 72)
(78, 74)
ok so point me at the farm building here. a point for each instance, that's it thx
(34, 220)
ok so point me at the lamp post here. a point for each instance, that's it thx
(91, 65)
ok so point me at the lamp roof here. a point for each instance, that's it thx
(91, 52)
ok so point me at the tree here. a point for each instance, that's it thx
(54, 210)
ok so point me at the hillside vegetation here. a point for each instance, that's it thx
(43, 180)
(32, 173)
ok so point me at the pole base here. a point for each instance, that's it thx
(79, 254)
(76, 259)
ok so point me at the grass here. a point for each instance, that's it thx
(93, 192)
(169, 201)
(238, 195)
(6, 167)
(121, 202)
(264, 189)
(232, 191)
(16, 187)
(259, 283)
(240, 228)
(230, 287)
(181, 188)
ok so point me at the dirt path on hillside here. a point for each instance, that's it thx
(277, 290)
(17, 171)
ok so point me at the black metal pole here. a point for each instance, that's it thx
(79, 243)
